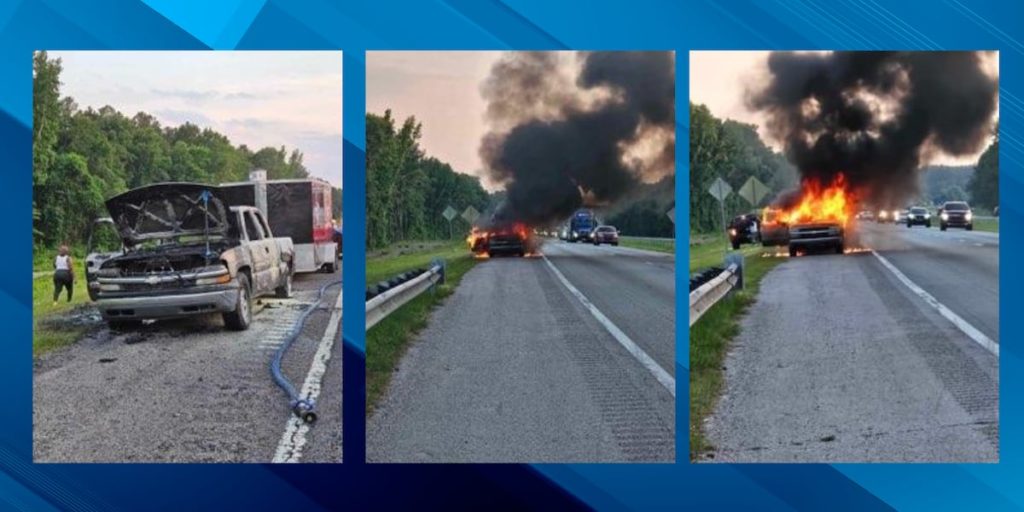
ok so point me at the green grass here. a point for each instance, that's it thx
(709, 250)
(711, 335)
(388, 341)
(47, 336)
(666, 245)
(386, 263)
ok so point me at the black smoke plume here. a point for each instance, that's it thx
(566, 135)
(877, 117)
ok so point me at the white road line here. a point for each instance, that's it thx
(968, 329)
(289, 449)
(659, 373)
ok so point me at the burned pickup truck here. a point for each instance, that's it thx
(801, 234)
(186, 251)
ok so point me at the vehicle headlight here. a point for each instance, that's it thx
(945, 216)
(968, 215)
(927, 215)
(883, 214)
(732, 231)
(574, 233)
(226, 278)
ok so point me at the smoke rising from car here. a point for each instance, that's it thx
(876, 117)
(567, 133)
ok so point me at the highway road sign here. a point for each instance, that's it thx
(449, 213)
(720, 189)
(753, 191)
(470, 215)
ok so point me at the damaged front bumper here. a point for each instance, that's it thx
(166, 295)
(168, 306)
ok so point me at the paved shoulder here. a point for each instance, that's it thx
(837, 361)
(512, 369)
(183, 391)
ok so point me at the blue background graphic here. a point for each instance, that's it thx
(356, 27)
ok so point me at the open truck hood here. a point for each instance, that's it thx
(168, 210)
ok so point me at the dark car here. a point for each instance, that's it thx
(918, 216)
(744, 229)
(606, 235)
(956, 214)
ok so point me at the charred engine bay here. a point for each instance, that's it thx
(167, 258)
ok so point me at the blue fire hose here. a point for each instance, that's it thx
(304, 409)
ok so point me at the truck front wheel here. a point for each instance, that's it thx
(239, 319)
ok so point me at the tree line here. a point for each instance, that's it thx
(733, 151)
(407, 190)
(983, 185)
(83, 156)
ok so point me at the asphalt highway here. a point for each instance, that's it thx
(190, 391)
(839, 360)
(513, 367)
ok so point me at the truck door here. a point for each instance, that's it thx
(276, 269)
(259, 251)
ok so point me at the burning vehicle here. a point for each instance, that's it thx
(863, 125)
(496, 240)
(185, 251)
(814, 217)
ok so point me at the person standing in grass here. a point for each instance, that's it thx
(63, 274)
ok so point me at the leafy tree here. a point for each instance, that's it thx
(81, 157)
(734, 152)
(406, 190)
(46, 109)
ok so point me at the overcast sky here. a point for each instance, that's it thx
(718, 79)
(254, 98)
(442, 89)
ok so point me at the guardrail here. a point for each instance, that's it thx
(709, 293)
(386, 302)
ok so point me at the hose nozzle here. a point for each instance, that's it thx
(304, 409)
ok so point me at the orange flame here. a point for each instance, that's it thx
(477, 234)
(834, 202)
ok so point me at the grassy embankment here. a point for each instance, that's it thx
(46, 334)
(711, 335)
(387, 341)
(667, 245)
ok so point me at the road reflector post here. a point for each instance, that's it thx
(736, 258)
